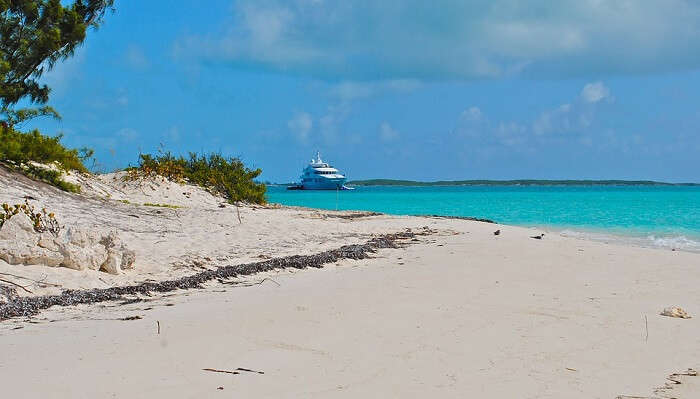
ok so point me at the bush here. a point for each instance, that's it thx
(42, 221)
(228, 177)
(19, 149)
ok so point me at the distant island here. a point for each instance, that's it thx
(527, 182)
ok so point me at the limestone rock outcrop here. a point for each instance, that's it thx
(74, 248)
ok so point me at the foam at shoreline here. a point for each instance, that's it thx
(674, 241)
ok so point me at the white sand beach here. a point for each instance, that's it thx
(457, 313)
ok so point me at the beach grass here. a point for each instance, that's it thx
(162, 205)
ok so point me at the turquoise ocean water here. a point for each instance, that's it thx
(658, 216)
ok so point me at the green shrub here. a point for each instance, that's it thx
(19, 149)
(228, 177)
(41, 221)
(51, 176)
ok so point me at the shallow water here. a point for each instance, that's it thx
(660, 216)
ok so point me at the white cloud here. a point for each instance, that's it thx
(387, 133)
(594, 92)
(575, 116)
(413, 39)
(474, 125)
(471, 114)
(301, 124)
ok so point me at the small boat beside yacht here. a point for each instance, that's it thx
(319, 175)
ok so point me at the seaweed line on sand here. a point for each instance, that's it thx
(29, 306)
(473, 219)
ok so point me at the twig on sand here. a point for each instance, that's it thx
(236, 371)
(238, 212)
(16, 285)
(250, 371)
(239, 284)
(158, 324)
(646, 328)
(31, 279)
(222, 371)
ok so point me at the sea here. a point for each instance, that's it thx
(649, 216)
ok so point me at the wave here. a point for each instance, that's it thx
(675, 242)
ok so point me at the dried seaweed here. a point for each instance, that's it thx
(29, 306)
(473, 219)
(352, 215)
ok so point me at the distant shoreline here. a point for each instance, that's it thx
(526, 182)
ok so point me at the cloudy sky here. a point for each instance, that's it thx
(443, 89)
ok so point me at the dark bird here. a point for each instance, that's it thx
(497, 232)
(539, 237)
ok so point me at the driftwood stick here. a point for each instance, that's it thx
(238, 284)
(31, 279)
(16, 285)
(646, 327)
(221, 371)
(250, 371)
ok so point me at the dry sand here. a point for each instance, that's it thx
(460, 313)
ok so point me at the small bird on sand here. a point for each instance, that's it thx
(497, 232)
(539, 237)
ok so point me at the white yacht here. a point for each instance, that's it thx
(319, 175)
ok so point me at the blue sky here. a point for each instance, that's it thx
(499, 89)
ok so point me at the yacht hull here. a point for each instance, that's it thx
(324, 184)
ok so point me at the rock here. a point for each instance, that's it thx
(128, 258)
(79, 258)
(43, 256)
(674, 311)
(80, 237)
(19, 228)
(19, 253)
(113, 263)
(119, 257)
(76, 248)
(48, 241)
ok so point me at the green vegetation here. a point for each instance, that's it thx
(389, 182)
(42, 221)
(125, 202)
(34, 35)
(19, 150)
(228, 177)
(163, 205)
